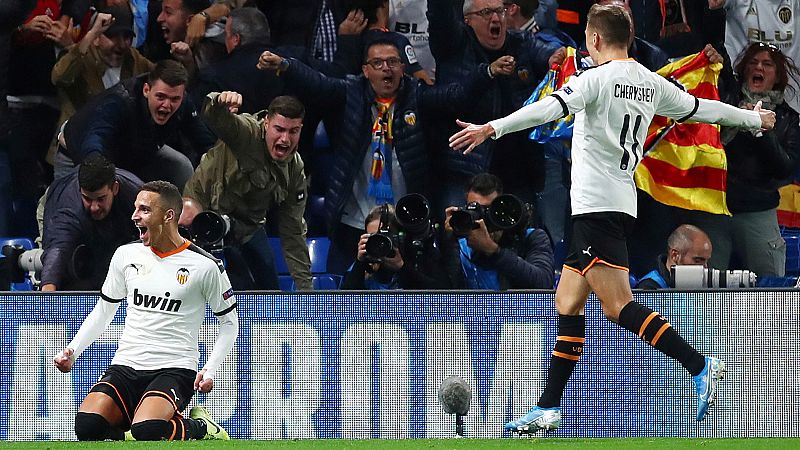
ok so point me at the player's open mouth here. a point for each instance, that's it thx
(162, 115)
(494, 30)
(142, 231)
(387, 80)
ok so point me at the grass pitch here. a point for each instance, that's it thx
(432, 444)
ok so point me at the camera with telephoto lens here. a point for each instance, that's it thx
(27, 264)
(504, 213)
(384, 242)
(699, 277)
(415, 229)
(208, 230)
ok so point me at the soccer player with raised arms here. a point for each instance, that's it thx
(167, 282)
(613, 105)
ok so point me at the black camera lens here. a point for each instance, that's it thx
(209, 228)
(505, 212)
(463, 220)
(379, 246)
(413, 213)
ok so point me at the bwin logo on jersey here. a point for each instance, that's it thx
(161, 303)
(182, 276)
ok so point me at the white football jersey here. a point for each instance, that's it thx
(613, 106)
(770, 21)
(166, 298)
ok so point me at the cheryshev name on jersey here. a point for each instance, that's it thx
(635, 93)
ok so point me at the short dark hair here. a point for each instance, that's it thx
(376, 213)
(170, 72)
(170, 195)
(194, 6)
(251, 25)
(380, 41)
(96, 172)
(287, 106)
(612, 22)
(526, 7)
(485, 184)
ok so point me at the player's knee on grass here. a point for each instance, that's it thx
(91, 427)
(151, 430)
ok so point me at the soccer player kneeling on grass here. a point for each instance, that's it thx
(167, 282)
(613, 104)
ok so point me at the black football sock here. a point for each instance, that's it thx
(567, 351)
(654, 329)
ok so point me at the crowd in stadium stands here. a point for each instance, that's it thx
(351, 103)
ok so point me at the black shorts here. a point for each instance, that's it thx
(599, 238)
(128, 387)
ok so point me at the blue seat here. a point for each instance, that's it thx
(318, 248)
(792, 254)
(27, 244)
(326, 282)
(318, 252)
(285, 283)
(281, 268)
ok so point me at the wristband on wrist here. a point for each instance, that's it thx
(206, 17)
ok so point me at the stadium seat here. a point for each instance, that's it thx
(27, 244)
(315, 215)
(792, 254)
(326, 282)
(318, 252)
(286, 283)
(281, 268)
(559, 253)
(777, 282)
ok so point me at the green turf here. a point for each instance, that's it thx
(434, 444)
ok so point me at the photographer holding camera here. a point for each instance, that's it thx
(255, 170)
(687, 245)
(92, 206)
(397, 252)
(489, 245)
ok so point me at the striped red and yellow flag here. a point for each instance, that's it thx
(789, 206)
(686, 166)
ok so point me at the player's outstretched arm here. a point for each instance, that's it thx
(64, 361)
(471, 136)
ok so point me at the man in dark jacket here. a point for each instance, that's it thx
(91, 207)
(247, 35)
(516, 258)
(131, 124)
(459, 45)
(379, 145)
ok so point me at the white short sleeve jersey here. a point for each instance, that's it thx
(166, 298)
(613, 106)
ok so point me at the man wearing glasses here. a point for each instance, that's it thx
(459, 45)
(381, 119)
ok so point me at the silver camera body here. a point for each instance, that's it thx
(699, 277)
